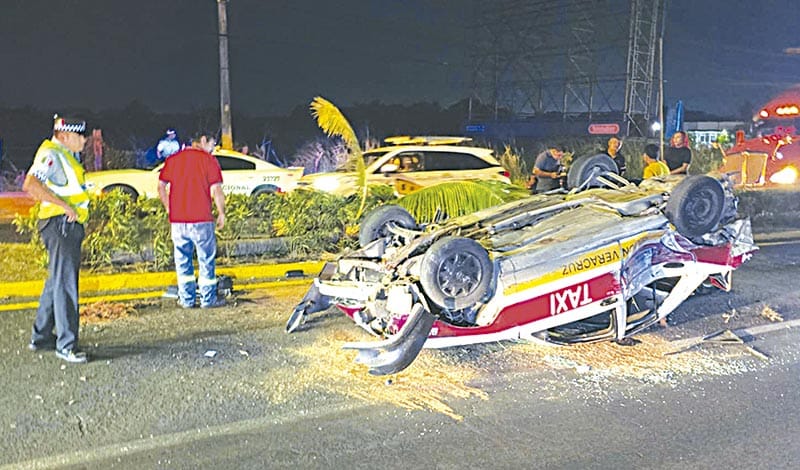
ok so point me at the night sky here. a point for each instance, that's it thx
(102, 54)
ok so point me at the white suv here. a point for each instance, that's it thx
(409, 163)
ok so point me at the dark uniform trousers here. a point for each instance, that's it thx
(58, 305)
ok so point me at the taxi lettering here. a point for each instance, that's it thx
(569, 299)
(589, 262)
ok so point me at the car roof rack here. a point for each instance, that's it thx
(426, 140)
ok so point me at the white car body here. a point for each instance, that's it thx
(241, 174)
(437, 164)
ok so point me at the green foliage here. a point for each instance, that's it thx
(457, 198)
(116, 226)
(237, 217)
(111, 229)
(312, 219)
(157, 234)
(333, 123)
(29, 225)
(705, 159)
(516, 166)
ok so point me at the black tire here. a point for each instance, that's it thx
(695, 206)
(588, 168)
(267, 189)
(124, 188)
(456, 273)
(374, 224)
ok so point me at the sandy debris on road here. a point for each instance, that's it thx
(426, 384)
(770, 314)
(649, 360)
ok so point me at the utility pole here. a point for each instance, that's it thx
(224, 78)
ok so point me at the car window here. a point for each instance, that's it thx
(446, 161)
(408, 161)
(370, 157)
(229, 163)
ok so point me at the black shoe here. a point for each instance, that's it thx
(73, 356)
(41, 347)
(215, 304)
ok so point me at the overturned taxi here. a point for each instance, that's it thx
(602, 261)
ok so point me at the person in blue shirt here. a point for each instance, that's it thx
(168, 145)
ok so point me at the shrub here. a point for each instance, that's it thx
(516, 166)
(705, 159)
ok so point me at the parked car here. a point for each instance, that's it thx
(241, 174)
(601, 262)
(409, 163)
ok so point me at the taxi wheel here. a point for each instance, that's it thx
(374, 225)
(124, 189)
(696, 205)
(269, 189)
(456, 273)
(588, 169)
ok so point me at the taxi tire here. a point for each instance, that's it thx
(696, 205)
(268, 189)
(588, 168)
(374, 224)
(124, 189)
(456, 273)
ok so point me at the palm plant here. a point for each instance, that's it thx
(448, 199)
(333, 123)
(456, 198)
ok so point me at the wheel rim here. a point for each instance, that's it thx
(700, 207)
(459, 274)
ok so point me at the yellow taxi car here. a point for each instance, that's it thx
(408, 163)
(241, 174)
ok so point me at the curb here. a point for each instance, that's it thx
(96, 288)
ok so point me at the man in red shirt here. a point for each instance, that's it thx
(187, 184)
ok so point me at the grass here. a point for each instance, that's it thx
(20, 263)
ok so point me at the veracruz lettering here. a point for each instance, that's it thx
(590, 261)
(569, 298)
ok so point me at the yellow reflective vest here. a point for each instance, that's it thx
(74, 191)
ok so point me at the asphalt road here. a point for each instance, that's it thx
(152, 399)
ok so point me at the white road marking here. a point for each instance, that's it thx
(99, 454)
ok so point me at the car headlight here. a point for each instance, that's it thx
(326, 183)
(788, 175)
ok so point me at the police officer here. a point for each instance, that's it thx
(56, 179)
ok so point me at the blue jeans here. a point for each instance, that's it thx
(187, 237)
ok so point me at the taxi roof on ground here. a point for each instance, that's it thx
(426, 140)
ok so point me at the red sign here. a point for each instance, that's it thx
(612, 128)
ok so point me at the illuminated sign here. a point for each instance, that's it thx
(609, 128)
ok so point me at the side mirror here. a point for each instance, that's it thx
(389, 168)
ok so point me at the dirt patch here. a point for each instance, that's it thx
(103, 311)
